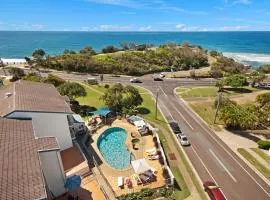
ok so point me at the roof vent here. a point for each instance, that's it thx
(8, 94)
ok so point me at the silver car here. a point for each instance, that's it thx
(183, 140)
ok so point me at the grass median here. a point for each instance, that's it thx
(252, 160)
(261, 154)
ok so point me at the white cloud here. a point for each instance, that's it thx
(180, 26)
(85, 28)
(108, 27)
(157, 5)
(145, 28)
(27, 26)
(242, 2)
(183, 27)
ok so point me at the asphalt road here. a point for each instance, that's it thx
(209, 155)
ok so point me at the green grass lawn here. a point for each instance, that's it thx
(92, 98)
(197, 92)
(252, 160)
(207, 111)
(262, 154)
(181, 89)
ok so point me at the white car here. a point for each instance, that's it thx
(135, 80)
(183, 140)
(162, 75)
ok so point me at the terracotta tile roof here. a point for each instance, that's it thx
(20, 171)
(32, 96)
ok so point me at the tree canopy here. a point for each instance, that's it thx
(17, 73)
(265, 68)
(123, 99)
(72, 90)
(236, 81)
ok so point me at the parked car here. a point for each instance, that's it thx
(213, 191)
(175, 127)
(162, 75)
(183, 140)
(135, 80)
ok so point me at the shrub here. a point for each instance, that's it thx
(106, 86)
(264, 144)
(55, 80)
(32, 77)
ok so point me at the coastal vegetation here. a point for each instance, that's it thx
(136, 61)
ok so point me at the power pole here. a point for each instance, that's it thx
(157, 103)
(218, 105)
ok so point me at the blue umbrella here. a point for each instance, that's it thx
(73, 183)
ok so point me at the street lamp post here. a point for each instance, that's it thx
(156, 103)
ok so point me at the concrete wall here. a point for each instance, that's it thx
(49, 124)
(53, 172)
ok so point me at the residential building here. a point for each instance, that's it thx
(25, 160)
(41, 102)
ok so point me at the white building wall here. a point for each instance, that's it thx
(49, 124)
(53, 172)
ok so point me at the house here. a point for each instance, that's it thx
(41, 102)
(26, 159)
(12, 61)
(37, 128)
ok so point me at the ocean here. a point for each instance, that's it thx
(247, 47)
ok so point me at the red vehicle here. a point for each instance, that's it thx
(213, 191)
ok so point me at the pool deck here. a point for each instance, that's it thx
(146, 142)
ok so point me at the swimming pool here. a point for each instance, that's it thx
(113, 148)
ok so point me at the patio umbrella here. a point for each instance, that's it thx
(73, 183)
(140, 166)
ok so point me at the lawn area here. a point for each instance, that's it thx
(213, 91)
(147, 111)
(264, 170)
(200, 92)
(262, 154)
(92, 98)
(207, 111)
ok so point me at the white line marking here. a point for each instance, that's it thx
(207, 169)
(195, 118)
(178, 111)
(163, 91)
(160, 102)
(228, 172)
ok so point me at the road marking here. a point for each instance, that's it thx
(207, 169)
(221, 145)
(228, 172)
(178, 111)
(160, 102)
(163, 91)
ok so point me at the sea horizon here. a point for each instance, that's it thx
(249, 47)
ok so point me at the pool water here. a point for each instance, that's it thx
(113, 148)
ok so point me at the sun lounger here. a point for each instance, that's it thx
(144, 178)
(120, 181)
(155, 157)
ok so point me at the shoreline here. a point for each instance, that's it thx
(253, 59)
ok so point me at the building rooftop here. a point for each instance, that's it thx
(20, 170)
(31, 96)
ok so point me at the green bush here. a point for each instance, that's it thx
(264, 144)
(32, 77)
(55, 80)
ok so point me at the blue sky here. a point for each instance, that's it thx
(135, 15)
